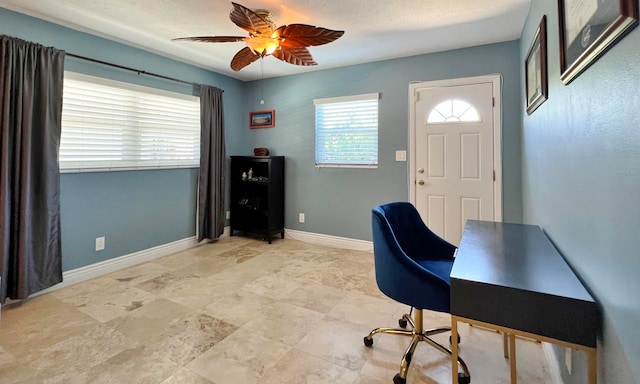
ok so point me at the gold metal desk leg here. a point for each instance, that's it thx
(454, 350)
(505, 344)
(512, 358)
(592, 375)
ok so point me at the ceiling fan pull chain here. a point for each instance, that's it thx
(262, 81)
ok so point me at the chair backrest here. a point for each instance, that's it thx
(402, 242)
(412, 234)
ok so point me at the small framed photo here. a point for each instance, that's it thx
(262, 119)
(535, 66)
(588, 28)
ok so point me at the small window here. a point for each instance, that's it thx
(453, 111)
(347, 131)
(113, 125)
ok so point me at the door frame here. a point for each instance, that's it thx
(496, 81)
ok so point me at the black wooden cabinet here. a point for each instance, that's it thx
(257, 195)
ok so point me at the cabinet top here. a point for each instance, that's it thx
(257, 157)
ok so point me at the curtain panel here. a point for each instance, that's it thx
(212, 165)
(31, 78)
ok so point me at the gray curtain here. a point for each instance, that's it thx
(212, 165)
(31, 78)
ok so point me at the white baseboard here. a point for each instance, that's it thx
(103, 267)
(552, 363)
(328, 240)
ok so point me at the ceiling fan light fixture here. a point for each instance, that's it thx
(263, 45)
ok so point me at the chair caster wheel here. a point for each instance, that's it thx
(463, 378)
(402, 323)
(458, 339)
(399, 380)
(367, 341)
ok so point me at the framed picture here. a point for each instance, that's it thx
(262, 119)
(535, 69)
(588, 28)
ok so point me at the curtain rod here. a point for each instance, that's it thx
(138, 71)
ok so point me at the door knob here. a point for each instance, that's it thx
(421, 182)
(420, 170)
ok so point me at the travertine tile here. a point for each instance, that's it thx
(186, 376)
(367, 310)
(242, 357)
(364, 379)
(166, 282)
(318, 297)
(40, 322)
(188, 337)
(69, 358)
(337, 341)
(276, 286)
(334, 275)
(105, 302)
(5, 358)
(137, 365)
(299, 367)
(138, 273)
(283, 323)
(238, 307)
(148, 321)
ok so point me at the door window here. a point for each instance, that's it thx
(453, 111)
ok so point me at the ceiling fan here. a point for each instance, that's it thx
(288, 42)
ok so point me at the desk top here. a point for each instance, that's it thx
(511, 275)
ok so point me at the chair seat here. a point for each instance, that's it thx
(442, 268)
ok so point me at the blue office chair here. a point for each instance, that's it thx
(412, 266)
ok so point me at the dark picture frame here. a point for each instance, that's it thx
(262, 119)
(588, 28)
(535, 69)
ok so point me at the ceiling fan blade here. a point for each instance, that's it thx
(212, 39)
(248, 20)
(295, 56)
(244, 57)
(303, 35)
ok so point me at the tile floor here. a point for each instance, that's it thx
(238, 311)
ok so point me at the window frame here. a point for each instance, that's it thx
(136, 162)
(343, 100)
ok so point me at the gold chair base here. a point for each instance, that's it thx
(417, 335)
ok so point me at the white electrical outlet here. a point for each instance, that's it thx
(228, 215)
(567, 359)
(99, 243)
(301, 217)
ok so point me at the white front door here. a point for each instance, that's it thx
(456, 140)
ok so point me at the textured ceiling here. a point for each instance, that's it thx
(374, 29)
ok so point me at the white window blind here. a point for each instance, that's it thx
(347, 131)
(113, 125)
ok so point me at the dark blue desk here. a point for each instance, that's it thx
(509, 277)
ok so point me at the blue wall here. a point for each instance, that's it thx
(338, 201)
(134, 210)
(580, 180)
